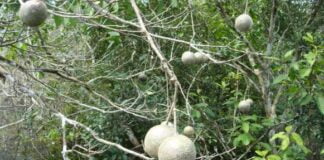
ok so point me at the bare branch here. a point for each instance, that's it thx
(95, 136)
(11, 124)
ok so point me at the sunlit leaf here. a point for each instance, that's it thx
(320, 103)
(196, 114)
(284, 140)
(289, 54)
(305, 72)
(246, 127)
(284, 143)
(174, 3)
(310, 58)
(262, 153)
(297, 139)
(309, 38)
(289, 128)
(273, 157)
(280, 78)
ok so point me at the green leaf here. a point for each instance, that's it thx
(306, 100)
(266, 146)
(11, 55)
(262, 153)
(284, 140)
(196, 114)
(289, 54)
(246, 127)
(244, 138)
(297, 139)
(22, 46)
(39, 75)
(255, 127)
(273, 157)
(249, 118)
(308, 38)
(268, 122)
(174, 3)
(58, 20)
(305, 150)
(280, 78)
(284, 143)
(71, 21)
(210, 113)
(295, 66)
(277, 135)
(200, 105)
(236, 141)
(305, 72)
(320, 103)
(114, 34)
(310, 57)
(289, 128)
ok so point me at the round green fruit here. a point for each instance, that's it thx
(243, 23)
(188, 58)
(155, 136)
(201, 57)
(189, 131)
(142, 76)
(33, 12)
(178, 147)
(245, 105)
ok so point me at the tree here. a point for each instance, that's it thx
(72, 85)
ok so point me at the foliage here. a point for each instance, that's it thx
(86, 61)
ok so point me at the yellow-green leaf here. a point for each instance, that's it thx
(262, 153)
(284, 143)
(289, 54)
(273, 157)
(289, 128)
(297, 139)
(246, 127)
(320, 103)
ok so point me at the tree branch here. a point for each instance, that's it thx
(95, 136)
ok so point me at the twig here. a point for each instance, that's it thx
(73, 79)
(95, 136)
(21, 2)
(64, 148)
(165, 65)
(11, 124)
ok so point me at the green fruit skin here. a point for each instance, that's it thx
(142, 77)
(178, 147)
(201, 57)
(155, 136)
(188, 58)
(243, 23)
(244, 106)
(189, 131)
(33, 13)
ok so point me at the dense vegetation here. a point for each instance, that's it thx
(98, 74)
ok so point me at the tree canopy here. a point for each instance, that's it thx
(90, 81)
